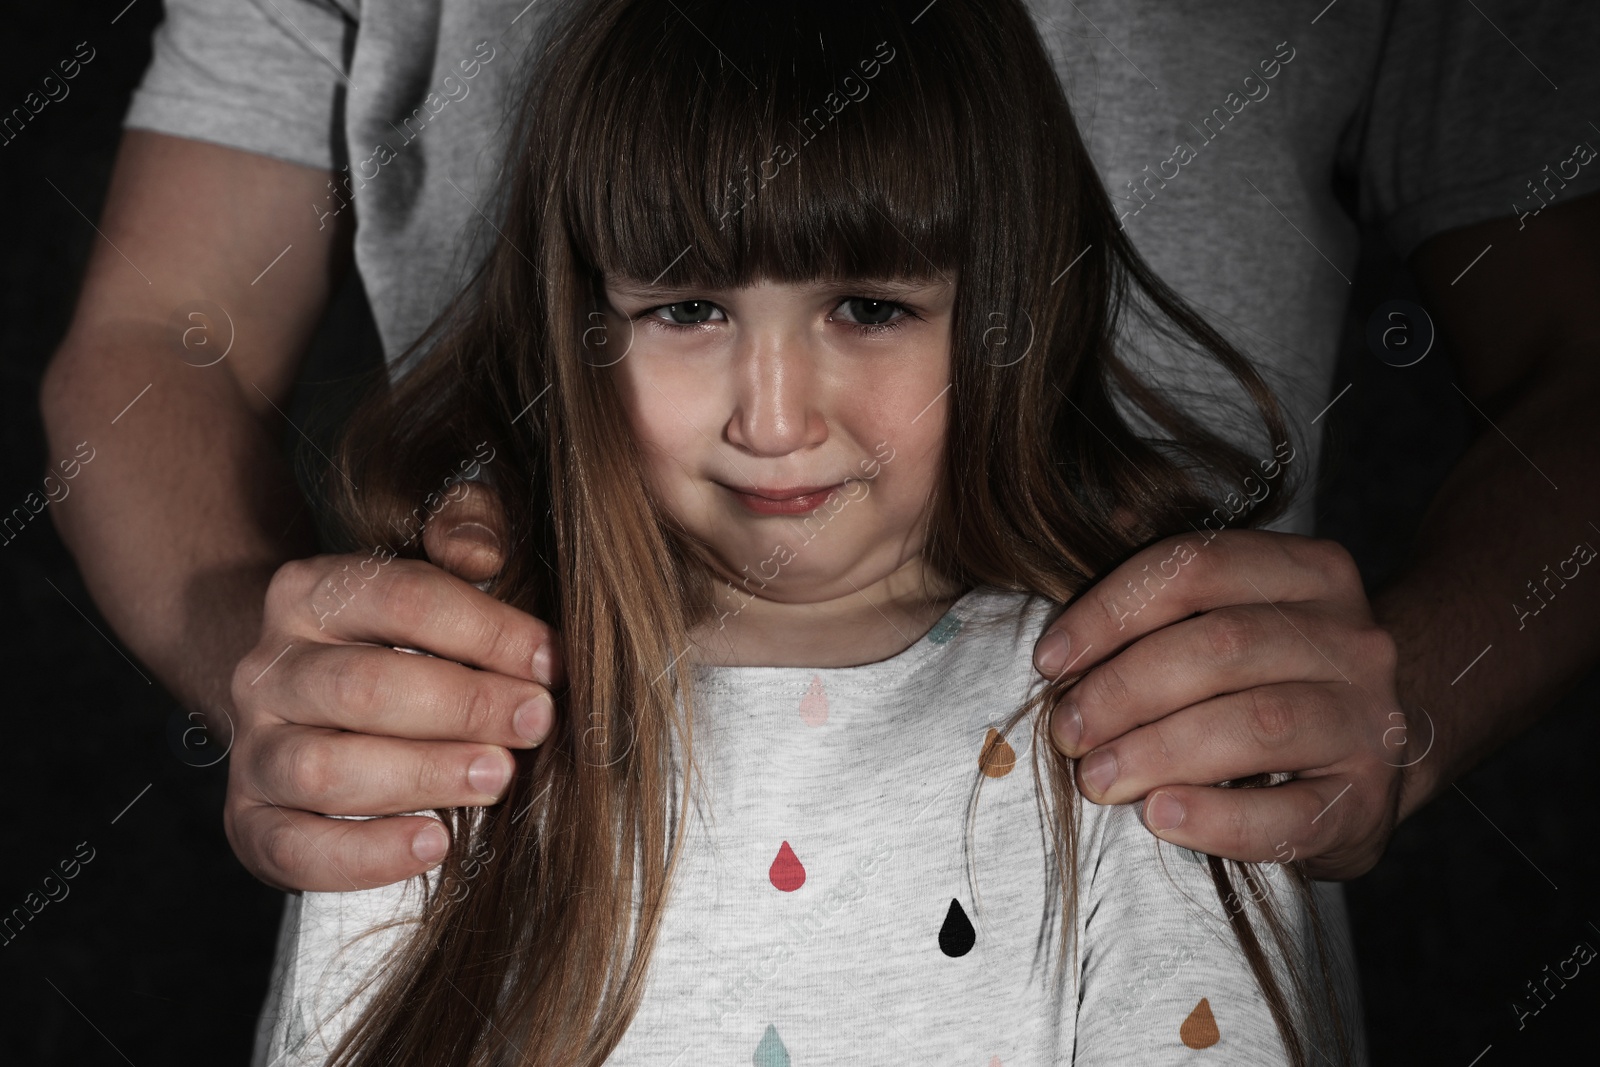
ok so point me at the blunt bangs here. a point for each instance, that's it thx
(793, 158)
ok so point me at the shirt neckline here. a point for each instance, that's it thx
(715, 677)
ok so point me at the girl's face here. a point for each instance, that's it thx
(794, 429)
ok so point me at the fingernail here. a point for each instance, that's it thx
(430, 844)
(1099, 771)
(1051, 654)
(477, 533)
(1069, 726)
(534, 718)
(489, 774)
(1163, 813)
(544, 664)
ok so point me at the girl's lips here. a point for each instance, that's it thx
(780, 493)
(796, 500)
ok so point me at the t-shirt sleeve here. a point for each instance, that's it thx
(1469, 104)
(1161, 971)
(332, 964)
(258, 75)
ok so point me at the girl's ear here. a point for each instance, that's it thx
(468, 535)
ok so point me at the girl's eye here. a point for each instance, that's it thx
(874, 315)
(687, 312)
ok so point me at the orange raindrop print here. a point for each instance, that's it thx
(814, 705)
(997, 757)
(787, 872)
(1199, 1030)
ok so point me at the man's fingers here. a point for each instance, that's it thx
(296, 849)
(415, 604)
(1273, 824)
(335, 772)
(1292, 725)
(468, 535)
(1184, 574)
(375, 690)
(1222, 651)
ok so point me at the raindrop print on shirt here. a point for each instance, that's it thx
(787, 872)
(1199, 1030)
(956, 936)
(944, 629)
(997, 757)
(770, 1052)
(814, 705)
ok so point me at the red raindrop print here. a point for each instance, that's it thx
(786, 871)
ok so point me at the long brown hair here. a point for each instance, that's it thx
(916, 140)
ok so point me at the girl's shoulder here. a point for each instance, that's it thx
(333, 947)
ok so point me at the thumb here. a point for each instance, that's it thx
(468, 535)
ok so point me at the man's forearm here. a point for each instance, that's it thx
(1494, 617)
(186, 511)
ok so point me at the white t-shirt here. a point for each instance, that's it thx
(823, 914)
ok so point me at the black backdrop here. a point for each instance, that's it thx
(159, 954)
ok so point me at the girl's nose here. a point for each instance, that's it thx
(775, 396)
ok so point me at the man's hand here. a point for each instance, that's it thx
(333, 721)
(1204, 661)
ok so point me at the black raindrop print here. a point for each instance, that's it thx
(956, 936)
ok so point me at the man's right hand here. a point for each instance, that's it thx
(334, 721)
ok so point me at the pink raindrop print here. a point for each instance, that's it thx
(787, 873)
(814, 705)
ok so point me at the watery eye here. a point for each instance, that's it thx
(870, 312)
(689, 312)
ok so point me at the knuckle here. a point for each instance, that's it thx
(290, 584)
(480, 710)
(1239, 826)
(1379, 647)
(1110, 604)
(439, 777)
(1106, 685)
(277, 846)
(512, 644)
(402, 598)
(239, 687)
(1319, 825)
(1232, 636)
(357, 685)
(1274, 720)
(312, 771)
(1205, 572)
(1167, 754)
(1333, 559)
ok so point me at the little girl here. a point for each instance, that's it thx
(802, 361)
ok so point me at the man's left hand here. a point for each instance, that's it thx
(1211, 657)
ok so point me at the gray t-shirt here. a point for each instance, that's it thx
(823, 912)
(1221, 132)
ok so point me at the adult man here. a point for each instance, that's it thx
(1223, 158)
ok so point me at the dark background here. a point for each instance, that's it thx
(160, 953)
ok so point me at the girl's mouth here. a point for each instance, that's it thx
(793, 500)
